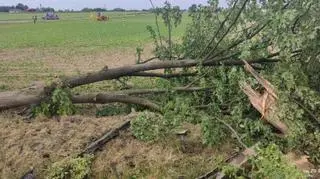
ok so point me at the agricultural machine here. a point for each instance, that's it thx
(101, 17)
(50, 16)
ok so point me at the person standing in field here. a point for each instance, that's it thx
(34, 19)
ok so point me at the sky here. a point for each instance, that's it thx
(108, 4)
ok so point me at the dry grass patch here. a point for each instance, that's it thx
(130, 158)
(44, 141)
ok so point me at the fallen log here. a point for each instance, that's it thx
(14, 100)
(155, 91)
(98, 144)
(115, 73)
(160, 75)
(107, 98)
(9, 100)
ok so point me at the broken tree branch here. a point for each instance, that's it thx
(113, 98)
(229, 28)
(161, 75)
(127, 70)
(234, 132)
(10, 100)
(13, 100)
(219, 29)
(149, 60)
(156, 21)
(93, 147)
(154, 91)
(264, 102)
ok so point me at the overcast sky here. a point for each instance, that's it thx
(109, 4)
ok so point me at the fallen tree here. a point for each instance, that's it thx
(280, 38)
(115, 73)
(10, 100)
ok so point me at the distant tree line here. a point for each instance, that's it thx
(19, 6)
(93, 9)
(24, 7)
(113, 10)
(6, 8)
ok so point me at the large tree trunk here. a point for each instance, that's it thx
(10, 100)
(109, 74)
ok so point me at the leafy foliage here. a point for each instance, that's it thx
(59, 104)
(139, 51)
(287, 31)
(71, 168)
(164, 46)
(268, 163)
(147, 126)
(259, 32)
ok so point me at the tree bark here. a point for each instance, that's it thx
(112, 98)
(155, 91)
(94, 146)
(160, 75)
(10, 100)
(109, 74)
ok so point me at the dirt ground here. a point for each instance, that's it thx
(20, 67)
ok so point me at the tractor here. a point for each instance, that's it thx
(50, 16)
(101, 17)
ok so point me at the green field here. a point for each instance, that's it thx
(76, 30)
(74, 44)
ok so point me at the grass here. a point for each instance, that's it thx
(77, 30)
(75, 44)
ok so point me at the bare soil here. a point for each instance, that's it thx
(20, 67)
